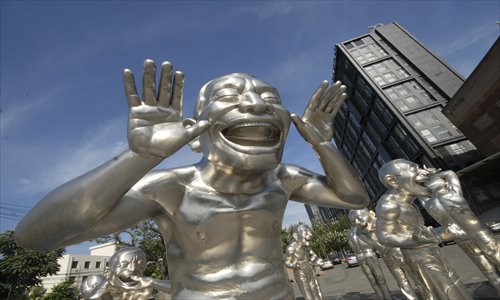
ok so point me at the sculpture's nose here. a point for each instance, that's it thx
(254, 104)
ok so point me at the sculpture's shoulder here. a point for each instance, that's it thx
(293, 175)
(387, 206)
(166, 179)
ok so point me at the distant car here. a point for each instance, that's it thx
(327, 265)
(352, 260)
(494, 226)
(336, 260)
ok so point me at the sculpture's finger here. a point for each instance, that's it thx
(148, 82)
(299, 123)
(326, 98)
(165, 84)
(198, 128)
(339, 89)
(313, 102)
(177, 92)
(338, 104)
(130, 89)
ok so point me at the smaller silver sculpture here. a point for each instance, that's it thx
(124, 279)
(302, 259)
(450, 209)
(400, 224)
(365, 221)
(367, 258)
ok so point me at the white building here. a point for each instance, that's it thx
(77, 267)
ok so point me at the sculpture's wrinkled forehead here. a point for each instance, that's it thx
(240, 82)
(353, 213)
(126, 254)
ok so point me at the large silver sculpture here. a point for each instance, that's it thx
(367, 259)
(400, 224)
(302, 259)
(222, 217)
(450, 209)
(124, 279)
(365, 221)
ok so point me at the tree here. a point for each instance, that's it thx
(330, 236)
(65, 290)
(146, 236)
(21, 269)
(286, 237)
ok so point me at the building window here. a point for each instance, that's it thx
(426, 134)
(401, 105)
(86, 265)
(441, 131)
(97, 264)
(74, 264)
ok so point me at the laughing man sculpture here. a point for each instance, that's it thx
(222, 217)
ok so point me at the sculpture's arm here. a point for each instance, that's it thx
(373, 243)
(452, 180)
(352, 240)
(75, 210)
(341, 187)
(149, 282)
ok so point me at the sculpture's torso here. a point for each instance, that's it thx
(225, 245)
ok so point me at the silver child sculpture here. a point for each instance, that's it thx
(221, 218)
(124, 279)
(400, 224)
(301, 258)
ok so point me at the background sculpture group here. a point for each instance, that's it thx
(408, 247)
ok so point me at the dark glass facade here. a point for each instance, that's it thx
(396, 90)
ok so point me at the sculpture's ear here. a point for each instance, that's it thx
(391, 180)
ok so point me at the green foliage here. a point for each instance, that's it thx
(147, 237)
(21, 268)
(330, 236)
(36, 292)
(286, 237)
(65, 290)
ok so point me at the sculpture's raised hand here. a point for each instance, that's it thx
(316, 124)
(155, 123)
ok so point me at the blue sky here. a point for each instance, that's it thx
(63, 111)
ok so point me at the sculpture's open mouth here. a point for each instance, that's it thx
(253, 134)
(127, 280)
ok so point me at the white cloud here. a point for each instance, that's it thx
(295, 212)
(466, 39)
(19, 110)
(67, 161)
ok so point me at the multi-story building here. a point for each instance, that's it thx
(322, 213)
(77, 267)
(397, 88)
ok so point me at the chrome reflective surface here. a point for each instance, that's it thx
(221, 218)
(365, 221)
(400, 224)
(302, 259)
(124, 279)
(365, 253)
(450, 209)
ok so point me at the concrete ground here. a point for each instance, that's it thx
(342, 283)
